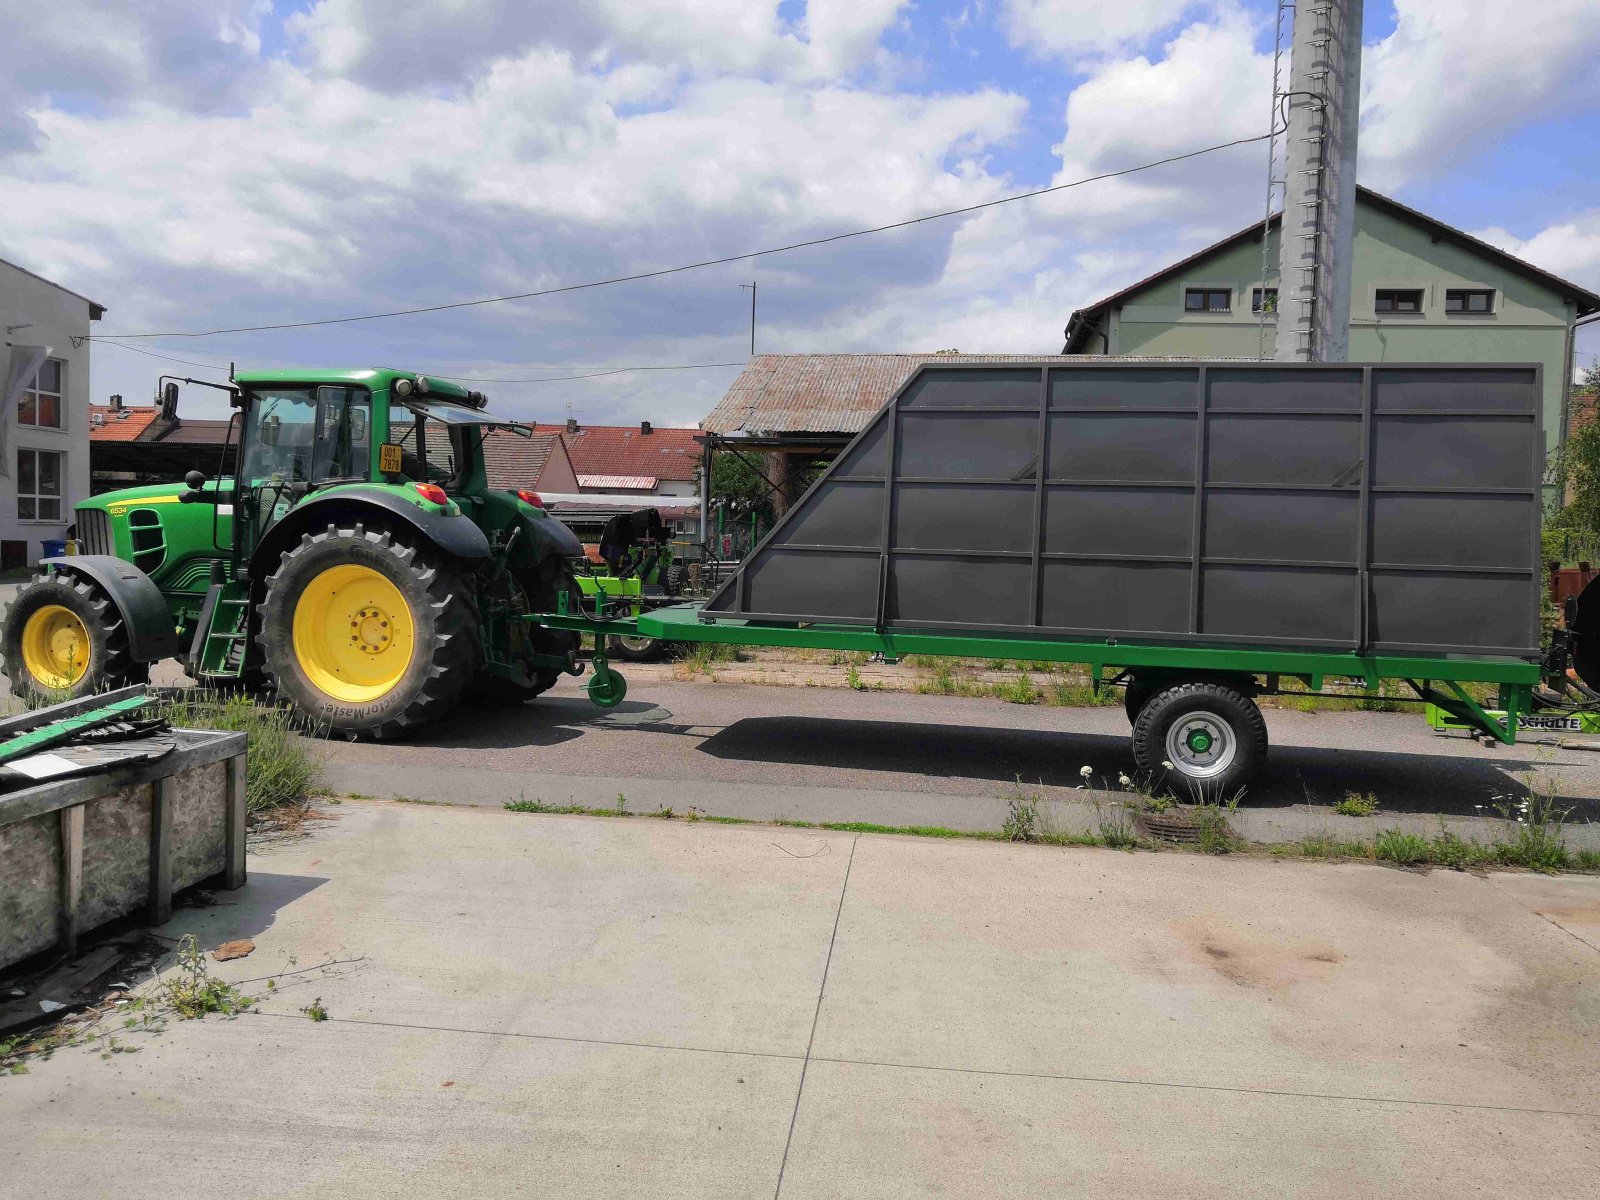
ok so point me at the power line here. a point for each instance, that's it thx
(596, 373)
(710, 262)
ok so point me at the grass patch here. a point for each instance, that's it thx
(281, 769)
(1401, 848)
(1357, 804)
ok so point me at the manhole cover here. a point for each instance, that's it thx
(1168, 826)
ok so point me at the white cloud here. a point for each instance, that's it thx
(1078, 28)
(1456, 75)
(1569, 248)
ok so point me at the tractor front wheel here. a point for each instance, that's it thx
(368, 634)
(63, 638)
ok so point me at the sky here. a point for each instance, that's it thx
(196, 164)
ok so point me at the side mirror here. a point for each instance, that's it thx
(270, 429)
(358, 426)
(169, 401)
(195, 481)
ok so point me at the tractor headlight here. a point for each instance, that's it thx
(402, 387)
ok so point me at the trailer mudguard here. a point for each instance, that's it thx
(457, 536)
(144, 611)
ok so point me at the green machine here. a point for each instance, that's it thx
(358, 561)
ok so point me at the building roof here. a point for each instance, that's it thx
(96, 310)
(513, 461)
(124, 424)
(1587, 301)
(618, 483)
(824, 393)
(662, 454)
(188, 432)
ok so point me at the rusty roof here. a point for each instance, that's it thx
(833, 393)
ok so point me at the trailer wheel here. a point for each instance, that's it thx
(1203, 738)
(63, 638)
(1135, 696)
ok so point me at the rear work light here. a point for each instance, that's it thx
(532, 498)
(431, 492)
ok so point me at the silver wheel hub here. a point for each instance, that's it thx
(637, 644)
(1201, 745)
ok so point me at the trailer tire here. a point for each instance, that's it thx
(1135, 696)
(1203, 739)
(635, 649)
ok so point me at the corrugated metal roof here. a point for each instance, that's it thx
(832, 393)
(622, 483)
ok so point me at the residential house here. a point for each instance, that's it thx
(44, 428)
(539, 463)
(133, 444)
(1421, 291)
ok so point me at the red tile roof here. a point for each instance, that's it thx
(663, 454)
(119, 424)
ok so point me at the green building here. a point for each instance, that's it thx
(1421, 291)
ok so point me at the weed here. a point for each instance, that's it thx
(664, 812)
(316, 1010)
(1325, 845)
(1018, 691)
(1401, 848)
(281, 768)
(1115, 822)
(191, 992)
(1539, 818)
(525, 805)
(852, 678)
(1450, 850)
(1022, 819)
(1357, 804)
(622, 805)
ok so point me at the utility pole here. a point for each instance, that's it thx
(752, 288)
(1316, 237)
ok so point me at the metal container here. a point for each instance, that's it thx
(1369, 508)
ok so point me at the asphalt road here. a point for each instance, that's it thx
(832, 754)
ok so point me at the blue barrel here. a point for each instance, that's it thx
(54, 547)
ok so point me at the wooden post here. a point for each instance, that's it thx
(233, 873)
(161, 851)
(71, 875)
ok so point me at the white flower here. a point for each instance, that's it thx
(1124, 781)
(1086, 771)
(1166, 765)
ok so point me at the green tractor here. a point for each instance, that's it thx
(358, 562)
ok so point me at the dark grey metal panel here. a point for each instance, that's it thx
(1315, 604)
(1282, 526)
(967, 446)
(1118, 597)
(1156, 448)
(1099, 520)
(993, 387)
(951, 588)
(972, 516)
(842, 514)
(1221, 503)
(1312, 451)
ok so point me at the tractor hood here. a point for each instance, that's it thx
(448, 413)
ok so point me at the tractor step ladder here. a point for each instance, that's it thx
(221, 638)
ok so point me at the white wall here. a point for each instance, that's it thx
(52, 318)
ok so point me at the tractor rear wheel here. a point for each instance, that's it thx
(367, 633)
(63, 638)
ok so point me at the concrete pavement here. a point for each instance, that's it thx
(567, 1006)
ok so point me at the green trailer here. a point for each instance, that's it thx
(1200, 534)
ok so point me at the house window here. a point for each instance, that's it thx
(1469, 300)
(39, 485)
(41, 399)
(1264, 300)
(1398, 300)
(1217, 300)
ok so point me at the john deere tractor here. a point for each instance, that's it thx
(357, 561)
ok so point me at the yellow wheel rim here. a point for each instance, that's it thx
(55, 646)
(353, 633)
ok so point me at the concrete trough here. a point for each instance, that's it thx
(76, 853)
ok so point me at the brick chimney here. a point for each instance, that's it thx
(646, 427)
(116, 400)
(572, 424)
